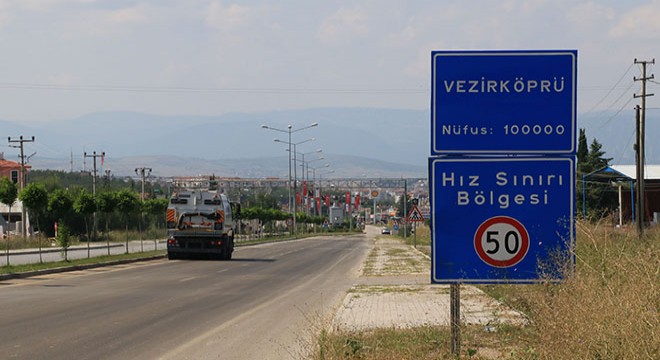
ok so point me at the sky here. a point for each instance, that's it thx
(67, 58)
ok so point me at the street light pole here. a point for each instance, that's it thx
(314, 182)
(295, 177)
(321, 184)
(305, 174)
(289, 131)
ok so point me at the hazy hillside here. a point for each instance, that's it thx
(356, 141)
(616, 131)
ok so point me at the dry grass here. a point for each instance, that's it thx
(609, 308)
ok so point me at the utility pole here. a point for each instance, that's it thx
(405, 209)
(641, 144)
(21, 141)
(94, 155)
(143, 172)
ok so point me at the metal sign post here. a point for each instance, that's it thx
(415, 202)
(455, 318)
(415, 216)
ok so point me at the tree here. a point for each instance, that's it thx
(127, 204)
(8, 194)
(106, 203)
(267, 216)
(596, 159)
(597, 200)
(85, 205)
(60, 204)
(35, 197)
(582, 150)
(156, 209)
(64, 240)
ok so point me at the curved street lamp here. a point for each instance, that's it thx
(289, 130)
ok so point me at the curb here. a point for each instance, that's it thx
(28, 274)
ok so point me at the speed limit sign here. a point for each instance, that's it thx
(501, 241)
(494, 220)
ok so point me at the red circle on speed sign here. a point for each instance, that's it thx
(501, 241)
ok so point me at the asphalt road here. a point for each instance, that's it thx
(264, 304)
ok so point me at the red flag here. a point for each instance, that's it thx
(298, 199)
(348, 201)
(357, 201)
(318, 204)
(327, 200)
(305, 188)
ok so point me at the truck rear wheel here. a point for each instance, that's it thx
(228, 249)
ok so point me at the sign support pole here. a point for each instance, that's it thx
(455, 309)
(415, 234)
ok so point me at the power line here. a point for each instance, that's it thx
(155, 89)
(615, 114)
(610, 91)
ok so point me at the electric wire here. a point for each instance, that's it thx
(609, 91)
(616, 113)
(155, 89)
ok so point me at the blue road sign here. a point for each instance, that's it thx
(501, 220)
(504, 102)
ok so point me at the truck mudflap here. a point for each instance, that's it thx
(188, 245)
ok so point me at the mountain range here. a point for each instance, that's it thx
(356, 142)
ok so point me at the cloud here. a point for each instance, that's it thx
(590, 14)
(5, 13)
(402, 37)
(343, 25)
(639, 22)
(229, 17)
(45, 5)
(134, 14)
(61, 79)
(89, 22)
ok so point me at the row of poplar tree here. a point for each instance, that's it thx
(74, 207)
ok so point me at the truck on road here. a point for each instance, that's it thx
(200, 222)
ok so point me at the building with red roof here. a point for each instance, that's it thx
(12, 170)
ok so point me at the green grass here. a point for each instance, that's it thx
(425, 342)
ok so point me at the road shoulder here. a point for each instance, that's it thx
(394, 291)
